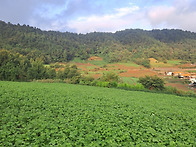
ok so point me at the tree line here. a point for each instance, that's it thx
(130, 44)
(17, 67)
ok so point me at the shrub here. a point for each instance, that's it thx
(86, 80)
(130, 87)
(170, 89)
(173, 90)
(110, 77)
(102, 84)
(152, 82)
(124, 86)
(144, 62)
(71, 73)
(137, 87)
(112, 84)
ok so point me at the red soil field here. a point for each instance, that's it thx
(95, 58)
(133, 71)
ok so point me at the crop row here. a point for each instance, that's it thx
(73, 115)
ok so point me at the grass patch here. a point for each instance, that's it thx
(170, 63)
(130, 80)
(191, 71)
(46, 65)
(98, 63)
(161, 64)
(78, 60)
(174, 62)
(129, 64)
(92, 67)
(176, 80)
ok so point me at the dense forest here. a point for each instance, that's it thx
(130, 44)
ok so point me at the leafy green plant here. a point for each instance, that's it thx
(86, 80)
(152, 82)
(70, 74)
(126, 86)
(59, 114)
(110, 77)
(144, 62)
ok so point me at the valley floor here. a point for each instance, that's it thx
(131, 71)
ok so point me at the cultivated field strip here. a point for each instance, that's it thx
(57, 114)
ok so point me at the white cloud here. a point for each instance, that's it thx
(86, 15)
(180, 15)
(126, 10)
(160, 14)
(107, 22)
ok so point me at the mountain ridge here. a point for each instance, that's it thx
(125, 45)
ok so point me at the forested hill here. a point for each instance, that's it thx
(125, 45)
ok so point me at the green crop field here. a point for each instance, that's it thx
(130, 80)
(57, 114)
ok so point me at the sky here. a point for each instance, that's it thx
(84, 16)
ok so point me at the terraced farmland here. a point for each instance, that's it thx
(59, 114)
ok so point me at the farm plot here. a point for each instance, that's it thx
(57, 114)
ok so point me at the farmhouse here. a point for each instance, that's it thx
(176, 73)
(169, 73)
(186, 75)
(193, 84)
(183, 75)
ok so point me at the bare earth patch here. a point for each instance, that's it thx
(179, 86)
(127, 70)
(95, 58)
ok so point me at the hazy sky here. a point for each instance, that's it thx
(82, 16)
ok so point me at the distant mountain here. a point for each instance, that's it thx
(130, 44)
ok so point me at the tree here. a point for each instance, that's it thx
(152, 82)
(50, 73)
(70, 73)
(4, 57)
(37, 70)
(24, 66)
(110, 77)
(13, 66)
(144, 62)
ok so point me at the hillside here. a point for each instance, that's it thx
(57, 114)
(125, 45)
